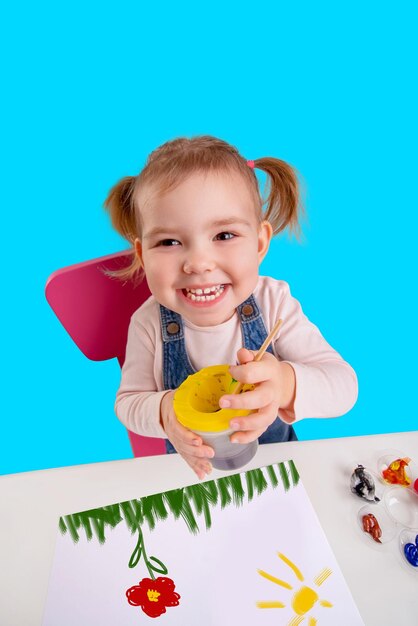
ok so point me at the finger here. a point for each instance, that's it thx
(256, 421)
(201, 468)
(197, 451)
(183, 439)
(251, 373)
(245, 356)
(259, 397)
(185, 435)
(246, 437)
(199, 471)
(206, 467)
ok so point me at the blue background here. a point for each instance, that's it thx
(90, 90)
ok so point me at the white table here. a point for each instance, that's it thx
(31, 503)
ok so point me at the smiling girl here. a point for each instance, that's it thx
(195, 219)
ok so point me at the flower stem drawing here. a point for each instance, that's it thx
(152, 563)
(152, 594)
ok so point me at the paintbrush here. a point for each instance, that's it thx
(261, 351)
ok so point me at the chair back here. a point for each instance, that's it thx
(95, 309)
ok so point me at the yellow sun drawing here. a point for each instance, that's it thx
(303, 600)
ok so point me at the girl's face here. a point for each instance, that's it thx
(202, 245)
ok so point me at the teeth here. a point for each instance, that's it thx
(205, 295)
(207, 290)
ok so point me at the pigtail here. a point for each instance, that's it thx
(283, 201)
(120, 206)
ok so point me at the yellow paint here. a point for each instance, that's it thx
(270, 605)
(322, 576)
(153, 595)
(275, 580)
(303, 600)
(196, 401)
(291, 565)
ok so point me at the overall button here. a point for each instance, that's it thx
(248, 309)
(173, 328)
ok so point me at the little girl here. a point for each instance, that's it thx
(195, 219)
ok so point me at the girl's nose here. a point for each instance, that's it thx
(198, 262)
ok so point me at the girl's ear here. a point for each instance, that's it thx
(265, 233)
(138, 251)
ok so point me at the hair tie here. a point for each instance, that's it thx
(251, 164)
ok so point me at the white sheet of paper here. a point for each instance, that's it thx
(215, 571)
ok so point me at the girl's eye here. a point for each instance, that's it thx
(224, 236)
(169, 242)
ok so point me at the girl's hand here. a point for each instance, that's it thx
(275, 389)
(186, 442)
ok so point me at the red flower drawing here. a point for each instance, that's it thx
(153, 596)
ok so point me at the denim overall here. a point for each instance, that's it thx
(176, 364)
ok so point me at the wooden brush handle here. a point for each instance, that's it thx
(262, 350)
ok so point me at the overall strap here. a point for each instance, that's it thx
(176, 364)
(253, 329)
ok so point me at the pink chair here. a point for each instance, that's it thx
(95, 311)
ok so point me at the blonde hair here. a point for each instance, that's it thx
(171, 163)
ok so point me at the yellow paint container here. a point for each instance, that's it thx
(196, 405)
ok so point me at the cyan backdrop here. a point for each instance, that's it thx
(89, 89)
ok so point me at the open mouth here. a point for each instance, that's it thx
(206, 294)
